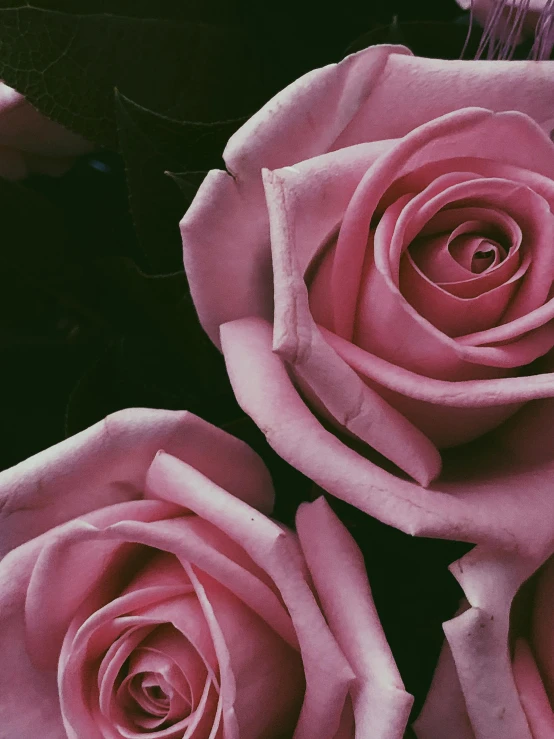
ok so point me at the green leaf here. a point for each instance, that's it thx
(151, 145)
(68, 63)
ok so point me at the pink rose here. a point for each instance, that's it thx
(30, 142)
(146, 593)
(391, 277)
(495, 676)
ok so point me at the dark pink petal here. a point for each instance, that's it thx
(275, 551)
(444, 705)
(532, 694)
(543, 626)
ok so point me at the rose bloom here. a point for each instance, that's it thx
(495, 676)
(147, 593)
(30, 142)
(377, 267)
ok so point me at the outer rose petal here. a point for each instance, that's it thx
(506, 501)
(532, 694)
(381, 705)
(21, 684)
(225, 231)
(478, 640)
(67, 479)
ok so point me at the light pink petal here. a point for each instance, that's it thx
(444, 705)
(318, 191)
(532, 694)
(107, 464)
(505, 501)
(430, 88)
(463, 394)
(226, 252)
(21, 683)
(225, 232)
(426, 342)
(381, 705)
(478, 639)
(334, 386)
(176, 536)
(306, 118)
(276, 552)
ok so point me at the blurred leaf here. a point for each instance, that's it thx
(183, 65)
(152, 144)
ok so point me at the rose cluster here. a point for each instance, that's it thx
(377, 267)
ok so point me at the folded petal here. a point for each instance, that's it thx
(505, 502)
(381, 705)
(330, 382)
(107, 464)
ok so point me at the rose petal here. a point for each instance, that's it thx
(543, 620)
(430, 348)
(444, 705)
(265, 670)
(351, 403)
(449, 413)
(381, 705)
(50, 603)
(21, 684)
(478, 639)
(68, 480)
(225, 232)
(461, 133)
(502, 503)
(430, 88)
(276, 552)
(532, 693)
